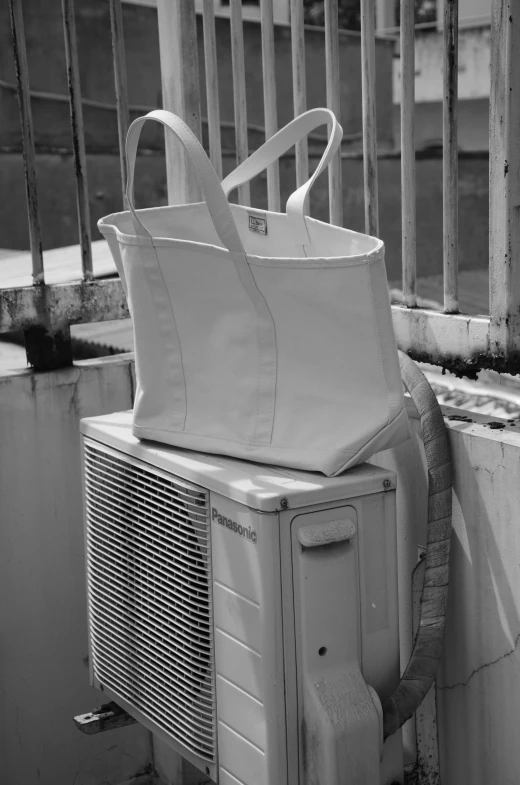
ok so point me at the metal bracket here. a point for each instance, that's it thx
(107, 717)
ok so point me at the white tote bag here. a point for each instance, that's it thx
(260, 335)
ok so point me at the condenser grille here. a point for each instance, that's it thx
(148, 557)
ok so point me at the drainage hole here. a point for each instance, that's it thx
(322, 651)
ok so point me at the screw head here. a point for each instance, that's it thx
(387, 484)
(284, 503)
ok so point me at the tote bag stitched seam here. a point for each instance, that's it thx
(269, 394)
(270, 405)
(310, 262)
(276, 445)
(253, 259)
(262, 334)
(170, 356)
(176, 339)
(378, 338)
(395, 396)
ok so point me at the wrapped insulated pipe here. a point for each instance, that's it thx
(427, 649)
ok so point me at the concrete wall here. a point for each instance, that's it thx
(473, 125)
(43, 634)
(60, 223)
(478, 689)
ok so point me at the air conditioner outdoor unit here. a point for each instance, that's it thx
(239, 611)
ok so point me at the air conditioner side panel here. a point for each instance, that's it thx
(248, 644)
(375, 543)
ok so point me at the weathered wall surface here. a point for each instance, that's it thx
(43, 620)
(478, 688)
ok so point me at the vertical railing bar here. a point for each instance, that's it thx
(333, 103)
(408, 222)
(179, 58)
(78, 136)
(212, 96)
(299, 85)
(450, 163)
(504, 182)
(270, 112)
(239, 93)
(368, 91)
(29, 154)
(121, 85)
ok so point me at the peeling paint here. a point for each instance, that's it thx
(422, 774)
(54, 306)
(470, 367)
(45, 313)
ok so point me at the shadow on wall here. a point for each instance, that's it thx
(478, 686)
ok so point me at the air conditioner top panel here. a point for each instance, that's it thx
(257, 486)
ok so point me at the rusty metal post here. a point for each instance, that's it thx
(332, 81)
(299, 82)
(123, 115)
(29, 155)
(368, 99)
(78, 135)
(504, 181)
(450, 158)
(181, 91)
(47, 347)
(408, 213)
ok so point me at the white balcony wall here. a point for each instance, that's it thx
(44, 678)
(478, 690)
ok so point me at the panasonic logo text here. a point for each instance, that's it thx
(247, 532)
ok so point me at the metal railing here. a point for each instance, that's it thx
(454, 340)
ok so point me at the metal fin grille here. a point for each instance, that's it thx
(148, 557)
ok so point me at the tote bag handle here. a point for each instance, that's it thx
(275, 147)
(214, 196)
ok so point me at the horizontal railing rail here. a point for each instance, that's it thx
(463, 343)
